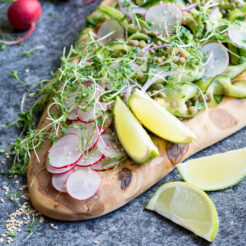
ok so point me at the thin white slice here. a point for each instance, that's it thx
(65, 152)
(105, 164)
(59, 181)
(216, 59)
(83, 183)
(110, 31)
(215, 172)
(53, 170)
(88, 133)
(90, 158)
(237, 34)
(158, 120)
(164, 18)
(110, 148)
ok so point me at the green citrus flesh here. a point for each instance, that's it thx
(187, 206)
(215, 172)
(158, 120)
(133, 137)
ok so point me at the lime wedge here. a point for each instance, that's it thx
(188, 206)
(215, 172)
(158, 120)
(134, 139)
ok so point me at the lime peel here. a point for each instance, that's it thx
(158, 120)
(215, 172)
(188, 206)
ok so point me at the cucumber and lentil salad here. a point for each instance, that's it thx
(184, 54)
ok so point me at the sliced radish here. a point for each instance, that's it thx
(164, 17)
(237, 34)
(88, 133)
(92, 113)
(65, 152)
(90, 158)
(110, 31)
(72, 115)
(59, 181)
(104, 165)
(216, 59)
(53, 170)
(83, 183)
(109, 147)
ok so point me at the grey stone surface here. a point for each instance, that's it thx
(131, 224)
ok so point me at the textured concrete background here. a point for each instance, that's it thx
(130, 225)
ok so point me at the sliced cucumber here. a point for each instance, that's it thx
(176, 97)
(236, 70)
(114, 49)
(96, 17)
(139, 36)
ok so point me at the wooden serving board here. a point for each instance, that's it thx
(129, 180)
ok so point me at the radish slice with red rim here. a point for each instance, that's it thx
(90, 158)
(237, 34)
(92, 113)
(65, 152)
(59, 181)
(164, 17)
(88, 133)
(108, 146)
(72, 115)
(216, 59)
(53, 170)
(105, 164)
(110, 31)
(83, 183)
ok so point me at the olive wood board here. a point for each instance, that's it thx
(124, 183)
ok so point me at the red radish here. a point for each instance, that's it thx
(90, 158)
(164, 17)
(88, 133)
(108, 146)
(59, 181)
(216, 58)
(65, 152)
(237, 34)
(72, 116)
(53, 170)
(83, 183)
(110, 31)
(104, 165)
(23, 14)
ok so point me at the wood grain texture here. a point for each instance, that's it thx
(129, 180)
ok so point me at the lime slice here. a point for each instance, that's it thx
(134, 139)
(158, 120)
(188, 206)
(215, 172)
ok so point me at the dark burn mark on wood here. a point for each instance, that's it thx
(175, 152)
(125, 177)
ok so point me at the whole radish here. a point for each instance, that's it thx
(23, 14)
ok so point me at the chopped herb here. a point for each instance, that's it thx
(14, 74)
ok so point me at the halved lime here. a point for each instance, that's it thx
(134, 139)
(158, 120)
(188, 206)
(215, 172)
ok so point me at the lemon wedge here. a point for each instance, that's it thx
(188, 206)
(133, 137)
(215, 172)
(158, 120)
